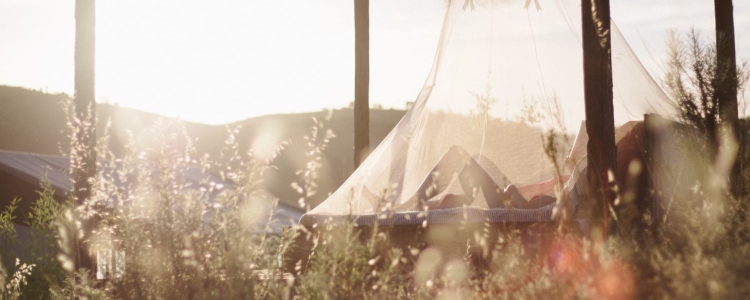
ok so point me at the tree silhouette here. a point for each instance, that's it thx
(361, 80)
(600, 125)
(83, 153)
(726, 62)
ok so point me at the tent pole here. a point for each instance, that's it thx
(726, 58)
(597, 74)
(361, 81)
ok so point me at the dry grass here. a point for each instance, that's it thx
(166, 239)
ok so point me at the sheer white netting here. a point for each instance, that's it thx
(503, 74)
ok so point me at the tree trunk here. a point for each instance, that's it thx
(597, 74)
(361, 81)
(726, 59)
(83, 152)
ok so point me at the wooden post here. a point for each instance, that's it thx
(597, 77)
(648, 199)
(361, 81)
(726, 59)
(83, 151)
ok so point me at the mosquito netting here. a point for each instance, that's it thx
(505, 73)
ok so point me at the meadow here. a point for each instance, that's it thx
(165, 240)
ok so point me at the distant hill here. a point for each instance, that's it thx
(33, 121)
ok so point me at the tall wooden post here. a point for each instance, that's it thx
(361, 80)
(83, 150)
(727, 89)
(597, 74)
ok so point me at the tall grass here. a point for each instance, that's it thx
(182, 241)
(160, 236)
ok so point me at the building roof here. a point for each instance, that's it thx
(36, 168)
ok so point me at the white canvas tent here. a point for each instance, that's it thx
(504, 73)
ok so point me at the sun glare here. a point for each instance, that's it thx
(220, 62)
(217, 62)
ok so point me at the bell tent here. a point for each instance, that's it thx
(505, 73)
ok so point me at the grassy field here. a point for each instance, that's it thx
(165, 240)
(171, 243)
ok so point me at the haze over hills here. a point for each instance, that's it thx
(33, 121)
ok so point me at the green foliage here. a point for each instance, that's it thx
(346, 266)
(7, 237)
(176, 240)
(694, 79)
(32, 261)
(42, 246)
(78, 286)
(45, 210)
(7, 230)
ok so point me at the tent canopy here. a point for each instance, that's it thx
(504, 75)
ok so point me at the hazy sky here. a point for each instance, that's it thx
(224, 60)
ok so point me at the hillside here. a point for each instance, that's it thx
(32, 121)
